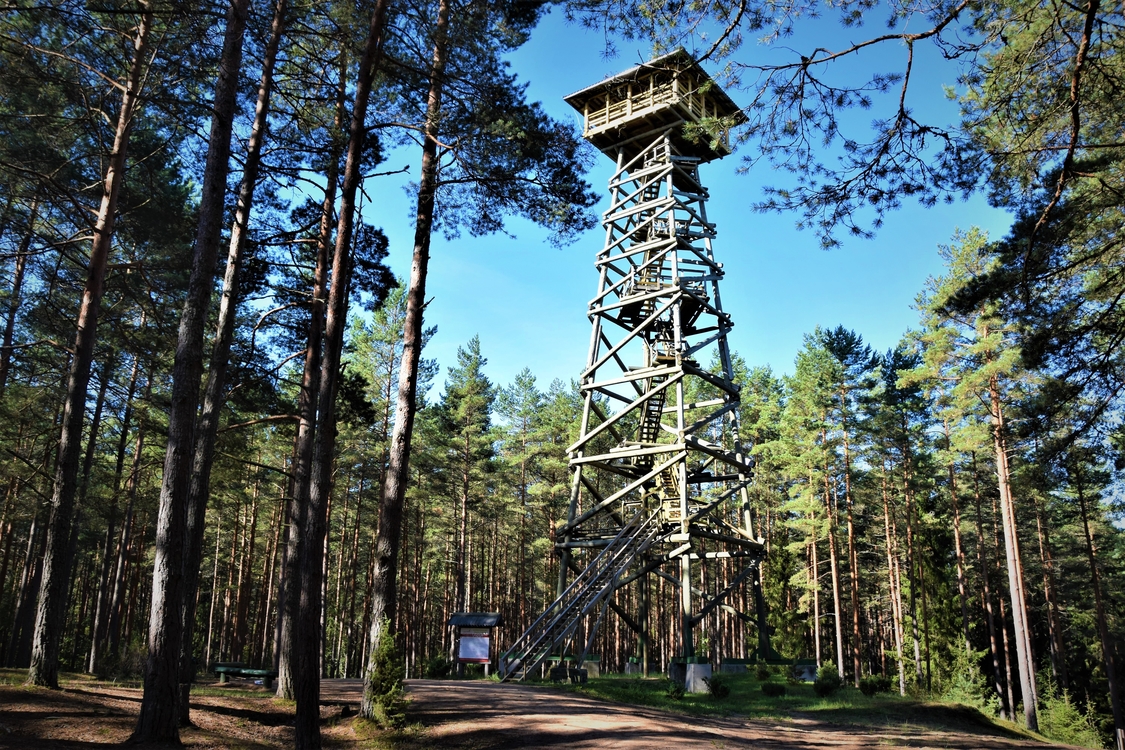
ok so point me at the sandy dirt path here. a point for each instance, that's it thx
(492, 716)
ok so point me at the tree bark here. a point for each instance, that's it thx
(384, 595)
(1099, 612)
(306, 409)
(203, 454)
(57, 555)
(1015, 565)
(159, 710)
(101, 606)
(307, 725)
(853, 557)
(895, 587)
(117, 601)
(1054, 622)
(985, 561)
(19, 642)
(17, 289)
(834, 568)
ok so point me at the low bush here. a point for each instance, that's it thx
(384, 692)
(869, 686)
(1062, 720)
(718, 686)
(675, 690)
(763, 672)
(437, 667)
(773, 689)
(827, 680)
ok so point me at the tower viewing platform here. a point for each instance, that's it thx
(622, 113)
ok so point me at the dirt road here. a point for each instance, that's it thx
(492, 716)
(455, 715)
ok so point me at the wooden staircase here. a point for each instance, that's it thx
(591, 588)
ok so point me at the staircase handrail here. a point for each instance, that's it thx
(607, 561)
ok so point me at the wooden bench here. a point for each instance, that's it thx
(226, 670)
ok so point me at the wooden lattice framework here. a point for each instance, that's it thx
(659, 432)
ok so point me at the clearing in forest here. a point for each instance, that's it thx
(482, 715)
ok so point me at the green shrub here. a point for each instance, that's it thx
(437, 668)
(383, 693)
(718, 686)
(773, 689)
(675, 690)
(1060, 719)
(869, 686)
(967, 685)
(828, 680)
(763, 672)
(129, 665)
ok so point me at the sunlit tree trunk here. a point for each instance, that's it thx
(985, 561)
(306, 410)
(57, 555)
(1015, 566)
(894, 586)
(384, 594)
(203, 452)
(307, 727)
(1099, 612)
(159, 716)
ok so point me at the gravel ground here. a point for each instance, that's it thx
(451, 715)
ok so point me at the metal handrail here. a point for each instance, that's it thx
(536, 642)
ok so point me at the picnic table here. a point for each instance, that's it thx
(225, 670)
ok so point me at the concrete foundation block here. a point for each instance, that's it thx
(695, 678)
(677, 673)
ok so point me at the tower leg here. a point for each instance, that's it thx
(642, 637)
(687, 626)
(765, 650)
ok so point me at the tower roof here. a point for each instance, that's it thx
(664, 92)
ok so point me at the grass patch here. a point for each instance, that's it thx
(211, 691)
(845, 706)
(411, 737)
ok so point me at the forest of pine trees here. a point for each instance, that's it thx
(207, 459)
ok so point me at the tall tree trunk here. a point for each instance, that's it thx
(17, 289)
(57, 555)
(1054, 622)
(1015, 565)
(834, 568)
(307, 726)
(306, 410)
(910, 570)
(203, 454)
(894, 585)
(853, 557)
(84, 484)
(985, 561)
(117, 600)
(159, 717)
(960, 552)
(1099, 613)
(101, 606)
(384, 595)
(19, 642)
(815, 582)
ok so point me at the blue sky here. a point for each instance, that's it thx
(526, 299)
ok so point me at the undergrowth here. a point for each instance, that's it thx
(845, 705)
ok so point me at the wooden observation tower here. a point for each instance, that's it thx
(659, 473)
